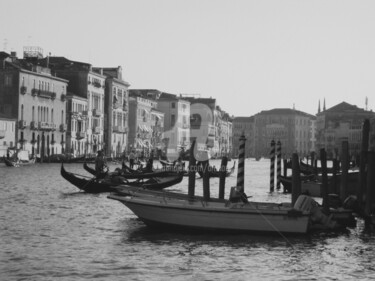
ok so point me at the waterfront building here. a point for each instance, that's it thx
(7, 134)
(141, 103)
(116, 109)
(32, 94)
(88, 84)
(204, 121)
(176, 123)
(338, 123)
(224, 133)
(157, 125)
(289, 126)
(243, 126)
(76, 113)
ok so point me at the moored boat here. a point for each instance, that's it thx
(171, 211)
(286, 181)
(213, 172)
(19, 158)
(108, 184)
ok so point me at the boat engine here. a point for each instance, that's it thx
(305, 203)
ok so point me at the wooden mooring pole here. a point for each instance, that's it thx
(191, 171)
(334, 182)
(370, 183)
(323, 163)
(223, 175)
(362, 164)
(272, 166)
(344, 170)
(296, 178)
(241, 164)
(278, 150)
(206, 180)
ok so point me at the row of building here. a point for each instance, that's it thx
(304, 133)
(53, 105)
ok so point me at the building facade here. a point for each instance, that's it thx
(116, 110)
(7, 134)
(89, 84)
(37, 99)
(77, 111)
(176, 123)
(289, 126)
(243, 126)
(140, 122)
(338, 123)
(157, 138)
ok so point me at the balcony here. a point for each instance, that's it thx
(34, 92)
(63, 97)
(22, 124)
(46, 94)
(34, 125)
(44, 126)
(63, 127)
(80, 135)
(96, 112)
(2, 134)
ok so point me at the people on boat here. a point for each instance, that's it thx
(100, 165)
(131, 159)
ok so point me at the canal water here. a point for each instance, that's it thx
(51, 231)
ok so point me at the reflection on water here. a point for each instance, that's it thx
(49, 230)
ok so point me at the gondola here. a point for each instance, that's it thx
(108, 184)
(308, 169)
(213, 173)
(86, 184)
(89, 169)
(286, 181)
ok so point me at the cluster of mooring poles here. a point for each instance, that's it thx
(352, 190)
(275, 153)
(238, 190)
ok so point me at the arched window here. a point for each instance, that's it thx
(33, 114)
(62, 117)
(52, 119)
(22, 112)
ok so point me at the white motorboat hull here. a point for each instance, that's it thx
(222, 216)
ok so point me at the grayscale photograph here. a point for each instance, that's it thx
(187, 140)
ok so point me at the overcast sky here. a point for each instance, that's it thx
(249, 55)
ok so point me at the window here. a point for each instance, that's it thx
(173, 120)
(173, 105)
(8, 80)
